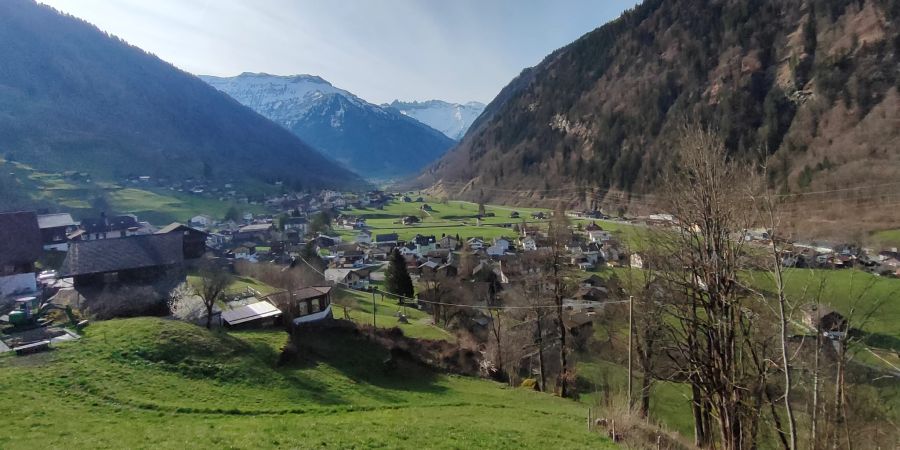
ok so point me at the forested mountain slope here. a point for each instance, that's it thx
(811, 87)
(75, 98)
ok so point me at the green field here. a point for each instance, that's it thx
(167, 207)
(887, 237)
(450, 218)
(360, 309)
(878, 298)
(165, 384)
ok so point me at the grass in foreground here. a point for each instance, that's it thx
(156, 383)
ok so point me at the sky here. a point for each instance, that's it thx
(381, 50)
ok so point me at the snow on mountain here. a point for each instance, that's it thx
(452, 119)
(373, 140)
(283, 99)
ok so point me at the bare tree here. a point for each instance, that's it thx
(212, 284)
(709, 205)
(559, 235)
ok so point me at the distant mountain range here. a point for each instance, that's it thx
(75, 98)
(377, 141)
(811, 88)
(452, 119)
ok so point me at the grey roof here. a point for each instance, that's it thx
(20, 238)
(111, 255)
(312, 292)
(256, 227)
(55, 220)
(386, 237)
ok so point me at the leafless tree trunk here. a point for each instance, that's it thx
(776, 270)
(212, 284)
(559, 235)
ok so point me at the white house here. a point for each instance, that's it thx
(528, 244)
(636, 261)
(599, 235)
(475, 244)
(355, 278)
(201, 221)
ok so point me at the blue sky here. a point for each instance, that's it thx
(456, 50)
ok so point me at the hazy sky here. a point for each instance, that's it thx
(456, 50)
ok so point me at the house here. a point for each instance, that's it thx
(354, 278)
(255, 314)
(193, 240)
(599, 235)
(500, 247)
(514, 215)
(475, 243)
(20, 248)
(636, 261)
(310, 304)
(538, 215)
(55, 229)
(201, 221)
(389, 238)
(134, 259)
(260, 232)
(363, 237)
(426, 207)
(448, 242)
(110, 227)
(246, 251)
(409, 220)
(528, 244)
(829, 322)
(298, 224)
(424, 244)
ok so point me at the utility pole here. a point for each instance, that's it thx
(630, 340)
(374, 306)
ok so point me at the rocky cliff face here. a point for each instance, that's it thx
(810, 87)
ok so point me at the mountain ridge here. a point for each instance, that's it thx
(812, 84)
(380, 142)
(452, 119)
(73, 97)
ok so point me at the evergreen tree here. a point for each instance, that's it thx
(396, 277)
(233, 214)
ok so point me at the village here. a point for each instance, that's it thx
(52, 260)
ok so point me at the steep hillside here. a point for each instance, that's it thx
(373, 140)
(452, 119)
(813, 84)
(174, 385)
(74, 98)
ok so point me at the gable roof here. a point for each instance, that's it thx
(55, 221)
(312, 292)
(104, 224)
(20, 238)
(178, 226)
(134, 252)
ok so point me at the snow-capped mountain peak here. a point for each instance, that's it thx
(452, 119)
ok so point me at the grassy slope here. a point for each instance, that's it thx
(152, 382)
(385, 315)
(887, 237)
(158, 206)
